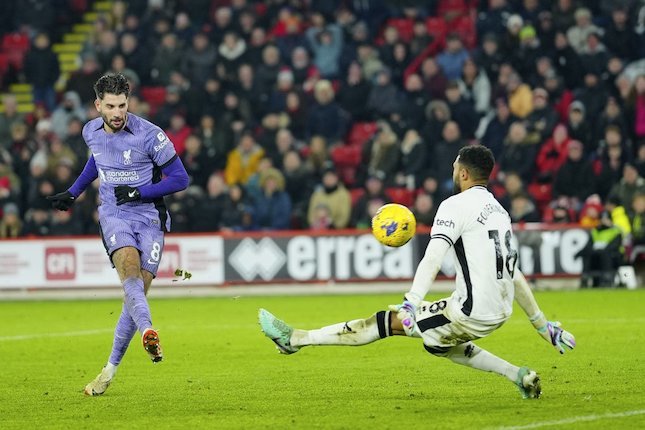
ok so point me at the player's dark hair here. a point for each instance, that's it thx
(112, 84)
(478, 160)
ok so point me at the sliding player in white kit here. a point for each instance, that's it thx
(479, 230)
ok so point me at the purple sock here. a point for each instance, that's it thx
(136, 303)
(125, 330)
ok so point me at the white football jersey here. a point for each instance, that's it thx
(479, 230)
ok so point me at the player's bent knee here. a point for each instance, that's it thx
(439, 351)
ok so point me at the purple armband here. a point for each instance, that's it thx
(176, 179)
(87, 176)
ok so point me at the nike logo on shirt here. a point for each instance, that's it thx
(131, 194)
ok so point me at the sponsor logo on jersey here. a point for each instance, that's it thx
(127, 157)
(119, 176)
(446, 223)
(161, 137)
(113, 239)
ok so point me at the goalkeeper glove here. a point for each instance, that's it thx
(125, 193)
(62, 201)
(552, 333)
(406, 312)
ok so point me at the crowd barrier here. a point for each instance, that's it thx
(269, 257)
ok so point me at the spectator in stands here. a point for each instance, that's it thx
(168, 57)
(613, 158)
(520, 150)
(513, 186)
(475, 88)
(567, 61)
(135, 57)
(353, 93)
(208, 209)
(288, 31)
(593, 96)
(578, 127)
(42, 70)
(590, 212)
(384, 98)
(118, 65)
(237, 212)
(638, 220)
(216, 141)
(198, 61)
(488, 57)
(70, 107)
(639, 162)
(420, 37)
(543, 118)
(611, 115)
(629, 185)
(178, 131)
(510, 40)
(380, 155)
(434, 80)
(63, 223)
(242, 162)
(620, 38)
(299, 183)
(367, 57)
(564, 14)
(575, 179)
(231, 54)
(317, 157)
(520, 96)
(602, 255)
(326, 42)
(496, 129)
(493, 20)
(10, 223)
(183, 28)
(411, 113)
(552, 154)
(197, 162)
(326, 118)
(461, 110)
(236, 114)
(252, 186)
(278, 96)
(305, 74)
(82, 81)
(635, 109)
(374, 196)
(272, 206)
(284, 143)
(523, 209)
(594, 56)
(333, 195)
(452, 59)
(577, 35)
(528, 51)
(296, 115)
(446, 149)
(424, 209)
(37, 222)
(8, 117)
(257, 44)
(437, 115)
(413, 160)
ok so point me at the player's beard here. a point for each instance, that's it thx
(456, 188)
(110, 122)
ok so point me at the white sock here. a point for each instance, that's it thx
(353, 333)
(468, 354)
(111, 369)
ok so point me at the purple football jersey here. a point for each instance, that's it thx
(133, 156)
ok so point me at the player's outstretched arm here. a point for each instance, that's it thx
(426, 272)
(63, 201)
(549, 330)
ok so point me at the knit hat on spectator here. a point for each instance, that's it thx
(514, 22)
(527, 32)
(577, 105)
(10, 209)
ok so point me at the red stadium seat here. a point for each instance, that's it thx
(154, 95)
(541, 193)
(404, 26)
(401, 195)
(346, 159)
(452, 7)
(15, 42)
(437, 27)
(355, 194)
(361, 132)
(4, 63)
(465, 28)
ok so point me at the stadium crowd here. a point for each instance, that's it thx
(312, 114)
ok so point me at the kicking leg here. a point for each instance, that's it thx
(351, 333)
(469, 354)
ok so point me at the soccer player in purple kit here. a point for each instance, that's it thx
(129, 155)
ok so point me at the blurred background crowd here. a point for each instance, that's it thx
(305, 114)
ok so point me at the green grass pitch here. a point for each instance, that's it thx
(221, 372)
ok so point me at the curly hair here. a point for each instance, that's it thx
(112, 84)
(478, 159)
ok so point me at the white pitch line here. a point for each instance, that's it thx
(63, 334)
(573, 420)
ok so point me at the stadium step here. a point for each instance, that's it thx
(22, 108)
(68, 66)
(67, 47)
(20, 88)
(82, 28)
(74, 38)
(22, 97)
(67, 57)
(90, 17)
(103, 6)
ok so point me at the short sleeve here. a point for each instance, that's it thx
(448, 224)
(160, 148)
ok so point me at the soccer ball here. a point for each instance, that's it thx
(394, 225)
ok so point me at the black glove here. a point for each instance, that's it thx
(125, 193)
(62, 201)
